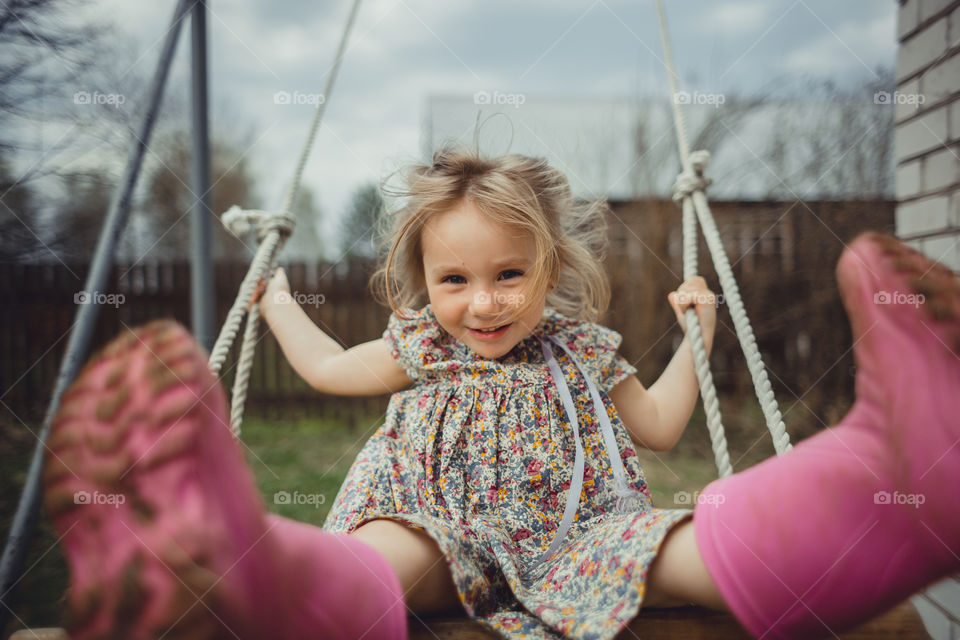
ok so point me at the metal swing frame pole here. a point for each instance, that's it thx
(81, 335)
(201, 260)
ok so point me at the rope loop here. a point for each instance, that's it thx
(700, 160)
(240, 221)
(689, 181)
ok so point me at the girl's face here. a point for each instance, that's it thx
(477, 270)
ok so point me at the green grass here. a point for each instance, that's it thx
(305, 458)
(37, 596)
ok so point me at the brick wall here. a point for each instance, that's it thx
(927, 132)
(927, 147)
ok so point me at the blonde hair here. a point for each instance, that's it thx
(524, 193)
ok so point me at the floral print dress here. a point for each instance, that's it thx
(479, 454)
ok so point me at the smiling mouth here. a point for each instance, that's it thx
(490, 334)
(491, 328)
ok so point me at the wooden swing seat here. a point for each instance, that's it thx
(690, 623)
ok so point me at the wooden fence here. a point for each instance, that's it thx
(783, 256)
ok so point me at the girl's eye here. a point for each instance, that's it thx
(509, 273)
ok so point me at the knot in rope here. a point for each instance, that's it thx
(240, 221)
(689, 181)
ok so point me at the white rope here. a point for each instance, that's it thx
(690, 189)
(273, 228)
(711, 404)
(241, 221)
(263, 263)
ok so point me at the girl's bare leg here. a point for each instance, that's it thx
(415, 557)
(678, 576)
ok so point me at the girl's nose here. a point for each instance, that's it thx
(484, 303)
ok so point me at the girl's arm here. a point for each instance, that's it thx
(366, 369)
(657, 417)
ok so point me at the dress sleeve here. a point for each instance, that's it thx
(597, 349)
(408, 338)
(616, 372)
(612, 367)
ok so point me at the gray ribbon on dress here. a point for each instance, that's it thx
(628, 498)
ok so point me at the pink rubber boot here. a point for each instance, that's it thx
(857, 518)
(163, 528)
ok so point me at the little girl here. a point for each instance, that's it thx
(504, 481)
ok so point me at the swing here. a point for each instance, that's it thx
(274, 227)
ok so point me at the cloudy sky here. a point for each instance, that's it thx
(404, 51)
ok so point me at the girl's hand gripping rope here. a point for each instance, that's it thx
(276, 292)
(695, 293)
